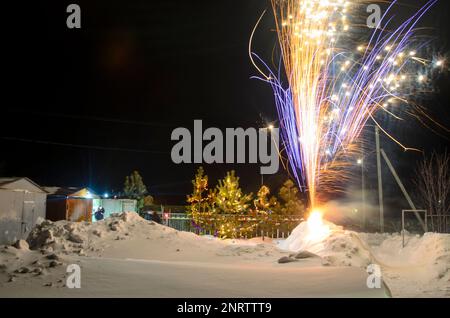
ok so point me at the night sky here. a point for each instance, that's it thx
(87, 107)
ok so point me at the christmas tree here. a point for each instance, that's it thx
(266, 210)
(232, 207)
(201, 203)
(262, 202)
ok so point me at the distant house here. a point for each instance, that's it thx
(114, 206)
(22, 204)
(70, 204)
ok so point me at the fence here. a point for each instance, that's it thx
(439, 223)
(182, 222)
(282, 228)
(178, 221)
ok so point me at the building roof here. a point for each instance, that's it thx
(71, 192)
(20, 183)
(7, 180)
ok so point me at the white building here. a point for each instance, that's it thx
(114, 206)
(22, 203)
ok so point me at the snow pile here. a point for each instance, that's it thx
(51, 245)
(247, 250)
(306, 237)
(303, 238)
(420, 269)
(124, 237)
(18, 263)
(429, 249)
(430, 252)
(77, 237)
(128, 236)
(336, 246)
(435, 250)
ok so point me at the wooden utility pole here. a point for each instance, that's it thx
(380, 181)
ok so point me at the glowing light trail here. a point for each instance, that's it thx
(334, 86)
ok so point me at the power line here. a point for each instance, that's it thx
(93, 118)
(45, 142)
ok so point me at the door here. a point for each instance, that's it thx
(79, 210)
(28, 217)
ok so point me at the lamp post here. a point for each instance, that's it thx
(269, 128)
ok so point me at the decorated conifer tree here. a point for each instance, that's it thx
(201, 203)
(232, 206)
(229, 196)
(262, 202)
(265, 209)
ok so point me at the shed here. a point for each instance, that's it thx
(22, 204)
(70, 204)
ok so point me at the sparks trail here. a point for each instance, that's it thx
(335, 86)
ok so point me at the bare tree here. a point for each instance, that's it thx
(432, 180)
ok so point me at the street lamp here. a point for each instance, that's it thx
(270, 127)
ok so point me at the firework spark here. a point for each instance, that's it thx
(337, 84)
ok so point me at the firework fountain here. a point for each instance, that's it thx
(336, 83)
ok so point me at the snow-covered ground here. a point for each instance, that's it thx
(419, 269)
(126, 256)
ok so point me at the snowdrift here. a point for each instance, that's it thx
(77, 237)
(336, 246)
(421, 268)
(127, 235)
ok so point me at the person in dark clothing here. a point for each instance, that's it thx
(155, 217)
(100, 214)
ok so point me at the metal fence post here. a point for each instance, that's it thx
(403, 228)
